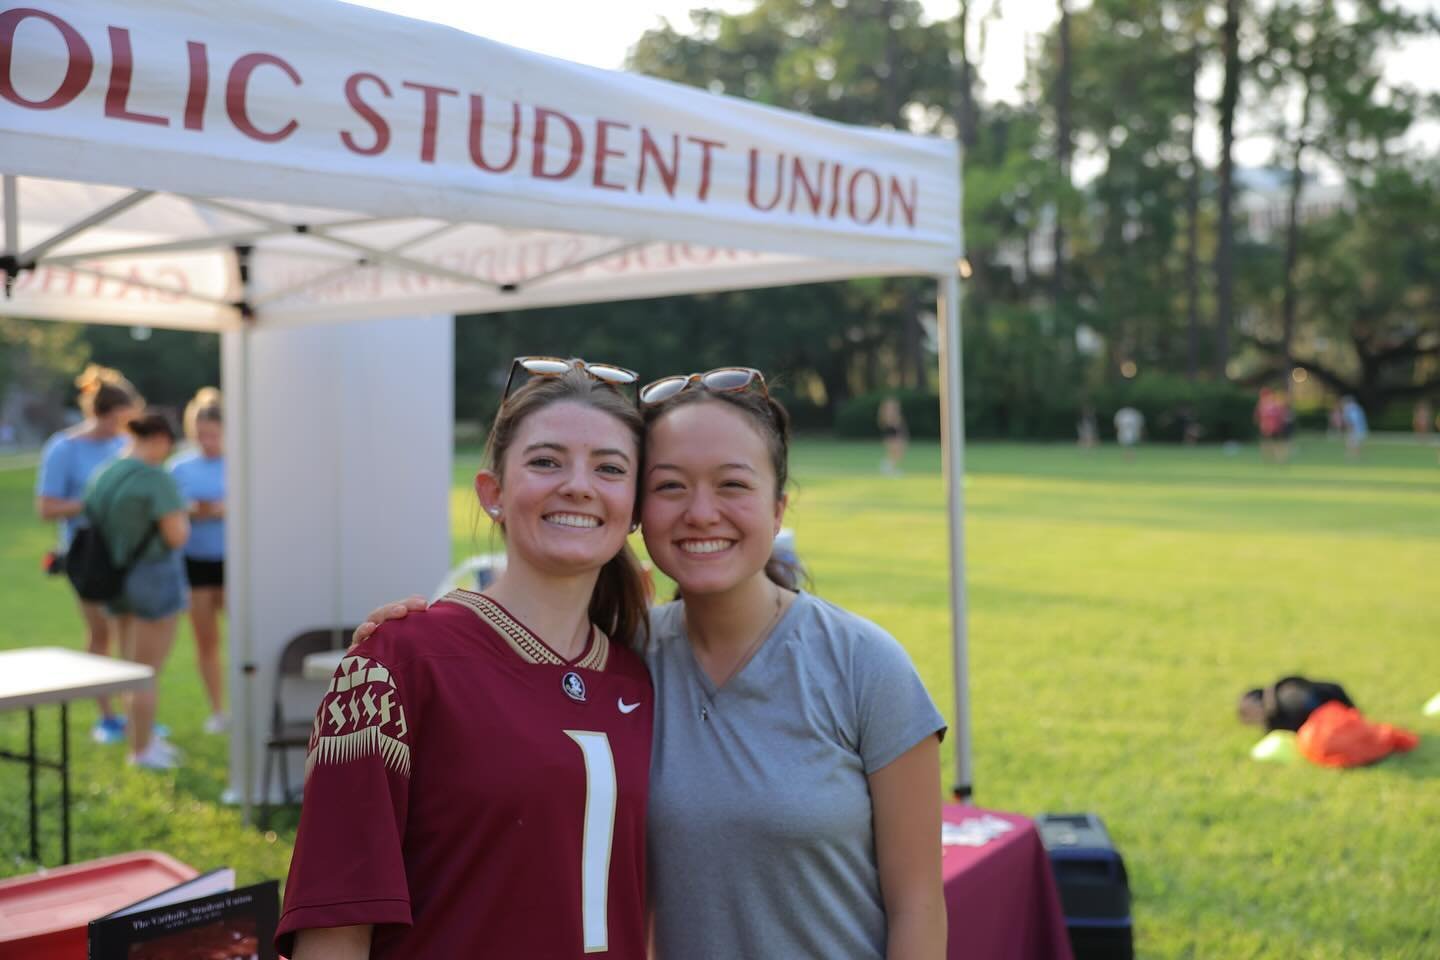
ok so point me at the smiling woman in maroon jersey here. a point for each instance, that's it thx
(478, 772)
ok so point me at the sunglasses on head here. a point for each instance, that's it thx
(719, 380)
(616, 377)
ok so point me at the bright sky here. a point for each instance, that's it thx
(600, 33)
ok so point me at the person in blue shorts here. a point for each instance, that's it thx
(67, 462)
(200, 475)
(138, 509)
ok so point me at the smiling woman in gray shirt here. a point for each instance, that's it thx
(762, 835)
(795, 781)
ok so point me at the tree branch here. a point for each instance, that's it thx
(1332, 379)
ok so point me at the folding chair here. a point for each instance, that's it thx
(290, 730)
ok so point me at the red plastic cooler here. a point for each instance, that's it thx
(43, 916)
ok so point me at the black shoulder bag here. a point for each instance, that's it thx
(88, 564)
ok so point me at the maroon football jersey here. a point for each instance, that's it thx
(472, 794)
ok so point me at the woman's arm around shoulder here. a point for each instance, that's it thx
(906, 798)
(333, 943)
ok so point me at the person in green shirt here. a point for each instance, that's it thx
(139, 510)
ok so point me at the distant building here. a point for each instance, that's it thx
(1263, 204)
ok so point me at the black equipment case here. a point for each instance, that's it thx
(1094, 888)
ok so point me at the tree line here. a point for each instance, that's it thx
(1103, 249)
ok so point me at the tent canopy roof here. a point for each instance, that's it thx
(171, 164)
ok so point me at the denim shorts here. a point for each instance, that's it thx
(155, 589)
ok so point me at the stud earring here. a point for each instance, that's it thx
(494, 512)
(634, 527)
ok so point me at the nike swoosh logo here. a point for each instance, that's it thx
(627, 707)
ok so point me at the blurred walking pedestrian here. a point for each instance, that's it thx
(1357, 427)
(1087, 434)
(1129, 428)
(894, 432)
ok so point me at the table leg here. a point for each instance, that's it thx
(65, 781)
(30, 762)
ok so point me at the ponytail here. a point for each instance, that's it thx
(787, 573)
(619, 604)
(103, 390)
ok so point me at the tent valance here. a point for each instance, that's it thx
(403, 161)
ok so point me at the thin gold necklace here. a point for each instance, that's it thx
(750, 649)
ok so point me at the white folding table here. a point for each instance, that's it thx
(322, 664)
(35, 676)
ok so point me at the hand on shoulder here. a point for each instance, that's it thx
(390, 611)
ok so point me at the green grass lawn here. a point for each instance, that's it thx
(1116, 610)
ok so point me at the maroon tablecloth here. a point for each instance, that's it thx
(999, 891)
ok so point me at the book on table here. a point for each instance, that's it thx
(203, 917)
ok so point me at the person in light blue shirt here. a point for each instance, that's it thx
(200, 475)
(1357, 428)
(68, 461)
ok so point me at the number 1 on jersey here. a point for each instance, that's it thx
(600, 798)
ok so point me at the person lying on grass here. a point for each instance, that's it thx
(1287, 703)
(1328, 729)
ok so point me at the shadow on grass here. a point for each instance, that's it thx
(1422, 763)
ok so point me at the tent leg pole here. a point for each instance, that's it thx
(12, 215)
(245, 607)
(952, 432)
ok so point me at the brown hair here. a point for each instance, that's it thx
(205, 405)
(152, 423)
(618, 604)
(103, 390)
(772, 422)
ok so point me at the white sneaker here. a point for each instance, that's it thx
(159, 755)
(217, 723)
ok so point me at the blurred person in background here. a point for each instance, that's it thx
(894, 432)
(200, 475)
(1129, 428)
(139, 511)
(1272, 418)
(1087, 433)
(68, 461)
(1423, 419)
(1357, 427)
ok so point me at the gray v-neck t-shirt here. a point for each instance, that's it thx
(761, 835)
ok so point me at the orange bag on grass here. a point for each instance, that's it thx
(1340, 736)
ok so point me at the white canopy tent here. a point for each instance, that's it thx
(284, 163)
